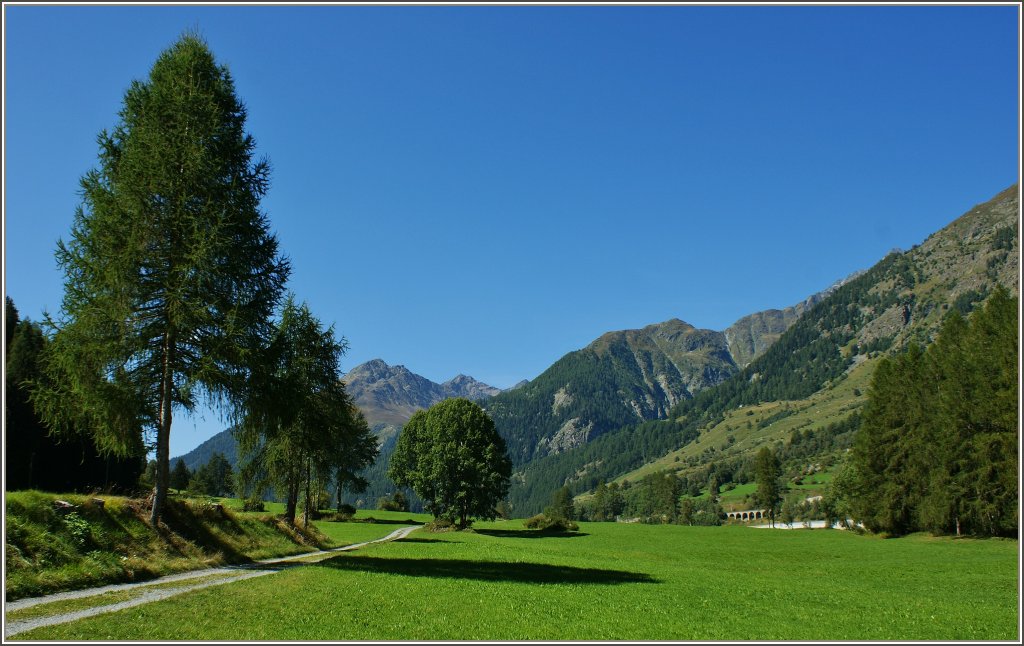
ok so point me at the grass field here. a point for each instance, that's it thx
(608, 582)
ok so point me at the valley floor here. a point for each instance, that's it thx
(609, 581)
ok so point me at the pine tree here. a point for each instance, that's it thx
(180, 476)
(171, 272)
(937, 448)
(301, 425)
(767, 472)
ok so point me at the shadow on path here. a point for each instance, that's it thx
(486, 570)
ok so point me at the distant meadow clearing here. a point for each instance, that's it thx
(609, 581)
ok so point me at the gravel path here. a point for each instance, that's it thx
(245, 571)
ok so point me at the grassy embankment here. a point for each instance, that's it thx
(48, 551)
(609, 582)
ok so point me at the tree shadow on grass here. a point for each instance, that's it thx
(382, 521)
(420, 540)
(527, 533)
(486, 570)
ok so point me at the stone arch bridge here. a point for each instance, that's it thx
(750, 514)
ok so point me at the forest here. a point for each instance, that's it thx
(937, 450)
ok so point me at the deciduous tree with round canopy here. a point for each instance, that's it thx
(453, 458)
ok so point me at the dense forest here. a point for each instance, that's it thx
(37, 459)
(938, 446)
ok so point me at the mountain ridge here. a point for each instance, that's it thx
(903, 299)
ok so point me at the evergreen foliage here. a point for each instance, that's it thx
(36, 459)
(301, 427)
(937, 449)
(171, 272)
(601, 459)
(454, 459)
(768, 495)
(215, 478)
(180, 476)
(561, 505)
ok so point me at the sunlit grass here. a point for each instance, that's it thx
(608, 582)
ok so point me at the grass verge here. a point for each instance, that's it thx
(49, 550)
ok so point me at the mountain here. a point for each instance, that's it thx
(750, 336)
(630, 376)
(391, 394)
(387, 395)
(813, 378)
(222, 442)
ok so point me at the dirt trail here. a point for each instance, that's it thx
(245, 571)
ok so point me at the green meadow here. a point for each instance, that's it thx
(609, 581)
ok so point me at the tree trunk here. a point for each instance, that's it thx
(293, 497)
(308, 503)
(163, 434)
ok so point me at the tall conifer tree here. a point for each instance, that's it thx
(171, 271)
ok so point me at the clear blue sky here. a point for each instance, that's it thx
(483, 189)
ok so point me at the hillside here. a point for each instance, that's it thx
(629, 377)
(749, 337)
(902, 299)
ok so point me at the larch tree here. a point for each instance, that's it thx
(768, 494)
(300, 425)
(171, 273)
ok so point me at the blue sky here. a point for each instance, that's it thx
(480, 190)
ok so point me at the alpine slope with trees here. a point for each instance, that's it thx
(901, 301)
(937, 450)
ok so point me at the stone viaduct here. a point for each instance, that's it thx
(750, 514)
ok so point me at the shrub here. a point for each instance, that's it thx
(253, 503)
(535, 522)
(544, 523)
(397, 502)
(440, 525)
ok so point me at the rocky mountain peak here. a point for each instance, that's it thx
(391, 394)
(465, 386)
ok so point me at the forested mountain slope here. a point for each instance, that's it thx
(629, 377)
(902, 299)
(621, 378)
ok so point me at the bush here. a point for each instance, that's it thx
(544, 523)
(440, 525)
(397, 502)
(253, 503)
